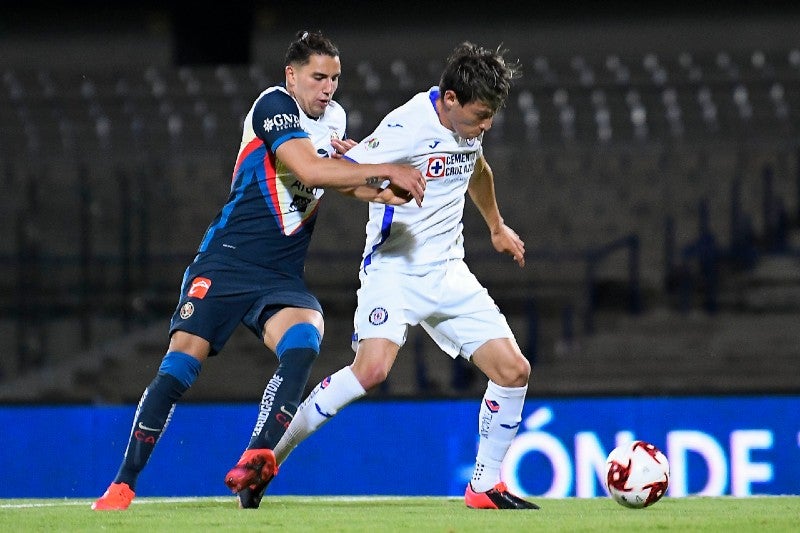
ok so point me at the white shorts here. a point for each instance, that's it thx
(447, 299)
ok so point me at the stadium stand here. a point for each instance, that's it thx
(616, 168)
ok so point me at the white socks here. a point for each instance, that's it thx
(498, 422)
(327, 398)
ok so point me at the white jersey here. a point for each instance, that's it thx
(409, 236)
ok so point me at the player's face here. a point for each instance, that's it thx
(314, 83)
(469, 120)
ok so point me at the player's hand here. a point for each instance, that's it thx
(506, 240)
(408, 179)
(341, 146)
(392, 195)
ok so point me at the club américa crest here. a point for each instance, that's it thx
(187, 310)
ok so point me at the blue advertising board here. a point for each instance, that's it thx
(736, 446)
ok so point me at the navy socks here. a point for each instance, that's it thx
(282, 396)
(176, 374)
(297, 350)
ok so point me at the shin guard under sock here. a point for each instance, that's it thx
(151, 419)
(499, 420)
(328, 398)
(176, 374)
(281, 397)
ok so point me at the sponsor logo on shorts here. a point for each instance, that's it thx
(199, 288)
(378, 316)
(187, 310)
(372, 142)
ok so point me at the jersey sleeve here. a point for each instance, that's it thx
(391, 142)
(276, 119)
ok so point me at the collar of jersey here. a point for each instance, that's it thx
(434, 95)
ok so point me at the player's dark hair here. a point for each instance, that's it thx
(477, 74)
(307, 44)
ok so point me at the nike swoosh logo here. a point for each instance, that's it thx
(142, 426)
(509, 426)
(434, 145)
(320, 411)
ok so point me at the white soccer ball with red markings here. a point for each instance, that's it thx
(637, 474)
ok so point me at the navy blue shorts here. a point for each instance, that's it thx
(219, 292)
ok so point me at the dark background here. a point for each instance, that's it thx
(222, 32)
(119, 123)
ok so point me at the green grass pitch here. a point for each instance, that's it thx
(434, 514)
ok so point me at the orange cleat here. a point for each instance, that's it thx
(255, 469)
(250, 497)
(497, 497)
(117, 497)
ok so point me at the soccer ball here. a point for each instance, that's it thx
(637, 474)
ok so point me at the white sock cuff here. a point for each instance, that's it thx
(349, 380)
(494, 389)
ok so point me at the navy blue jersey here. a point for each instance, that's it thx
(269, 215)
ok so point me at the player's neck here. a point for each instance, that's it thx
(441, 114)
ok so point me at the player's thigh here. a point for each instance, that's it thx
(275, 327)
(502, 362)
(466, 317)
(214, 298)
(389, 302)
(281, 303)
(374, 359)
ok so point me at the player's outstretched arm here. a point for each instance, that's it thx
(481, 190)
(391, 195)
(300, 157)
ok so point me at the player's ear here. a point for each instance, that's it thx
(290, 74)
(450, 99)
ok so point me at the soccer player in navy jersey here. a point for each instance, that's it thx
(249, 265)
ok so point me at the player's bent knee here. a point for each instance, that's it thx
(376, 375)
(302, 335)
(525, 367)
(370, 375)
(513, 372)
(182, 366)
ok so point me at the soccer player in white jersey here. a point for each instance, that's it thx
(249, 265)
(413, 270)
